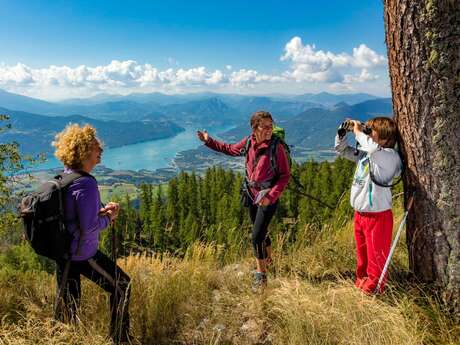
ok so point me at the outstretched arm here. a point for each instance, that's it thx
(228, 149)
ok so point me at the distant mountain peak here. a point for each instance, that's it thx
(341, 105)
(324, 93)
(330, 99)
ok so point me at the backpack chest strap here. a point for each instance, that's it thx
(260, 185)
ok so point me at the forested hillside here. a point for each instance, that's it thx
(187, 254)
(207, 208)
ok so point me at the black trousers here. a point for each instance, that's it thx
(260, 218)
(101, 270)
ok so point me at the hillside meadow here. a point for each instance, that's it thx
(205, 297)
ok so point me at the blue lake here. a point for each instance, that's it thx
(150, 155)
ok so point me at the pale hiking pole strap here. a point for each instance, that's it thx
(393, 246)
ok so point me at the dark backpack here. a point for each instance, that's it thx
(42, 213)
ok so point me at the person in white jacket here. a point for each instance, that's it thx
(377, 164)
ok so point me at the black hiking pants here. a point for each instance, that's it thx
(101, 270)
(260, 218)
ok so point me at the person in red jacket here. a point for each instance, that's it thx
(264, 184)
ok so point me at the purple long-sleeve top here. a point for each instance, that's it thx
(82, 204)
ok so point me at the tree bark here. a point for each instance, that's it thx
(423, 41)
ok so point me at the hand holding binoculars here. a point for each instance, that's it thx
(348, 125)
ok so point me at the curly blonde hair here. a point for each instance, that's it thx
(74, 144)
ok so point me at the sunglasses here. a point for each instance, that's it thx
(266, 127)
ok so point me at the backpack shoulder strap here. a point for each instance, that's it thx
(273, 157)
(244, 151)
(381, 184)
(66, 179)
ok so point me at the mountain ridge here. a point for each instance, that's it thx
(302, 130)
(35, 132)
(243, 103)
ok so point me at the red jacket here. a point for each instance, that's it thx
(262, 171)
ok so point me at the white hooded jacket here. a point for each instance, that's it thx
(385, 164)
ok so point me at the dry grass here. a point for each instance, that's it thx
(195, 300)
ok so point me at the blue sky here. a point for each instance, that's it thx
(55, 49)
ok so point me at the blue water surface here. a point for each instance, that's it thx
(150, 155)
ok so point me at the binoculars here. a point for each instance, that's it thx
(347, 126)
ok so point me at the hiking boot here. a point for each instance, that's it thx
(260, 281)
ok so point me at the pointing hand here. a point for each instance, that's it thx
(202, 135)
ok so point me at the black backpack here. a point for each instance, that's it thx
(42, 213)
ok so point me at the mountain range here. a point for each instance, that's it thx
(315, 128)
(34, 132)
(310, 120)
(324, 98)
(193, 107)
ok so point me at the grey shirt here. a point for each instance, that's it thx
(385, 163)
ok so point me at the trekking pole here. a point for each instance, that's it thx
(299, 186)
(395, 242)
(60, 292)
(115, 297)
(315, 199)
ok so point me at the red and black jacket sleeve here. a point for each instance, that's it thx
(228, 149)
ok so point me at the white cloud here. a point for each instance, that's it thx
(306, 66)
(304, 73)
(150, 76)
(249, 77)
(366, 57)
(215, 78)
(117, 74)
(197, 76)
(15, 75)
(126, 75)
(341, 87)
(243, 76)
(359, 78)
(309, 64)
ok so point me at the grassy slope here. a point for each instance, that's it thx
(118, 190)
(205, 298)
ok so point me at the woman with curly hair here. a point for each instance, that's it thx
(79, 149)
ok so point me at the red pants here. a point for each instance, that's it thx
(373, 242)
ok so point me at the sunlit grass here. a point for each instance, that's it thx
(202, 299)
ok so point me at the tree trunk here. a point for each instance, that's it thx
(423, 41)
